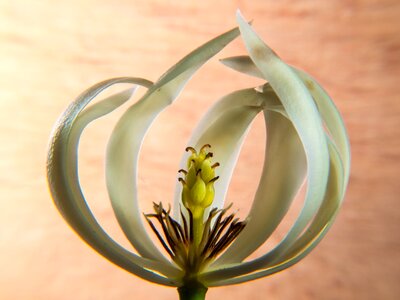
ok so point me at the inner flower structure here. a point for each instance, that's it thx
(200, 237)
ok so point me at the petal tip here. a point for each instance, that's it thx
(239, 17)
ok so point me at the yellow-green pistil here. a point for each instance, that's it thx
(198, 187)
(199, 238)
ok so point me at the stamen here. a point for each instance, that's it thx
(173, 232)
(207, 230)
(180, 179)
(215, 228)
(233, 231)
(223, 225)
(164, 227)
(178, 238)
(198, 171)
(169, 208)
(185, 227)
(159, 236)
(231, 235)
(182, 171)
(179, 229)
(190, 226)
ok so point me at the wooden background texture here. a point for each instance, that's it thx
(50, 51)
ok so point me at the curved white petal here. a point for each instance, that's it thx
(310, 238)
(283, 173)
(326, 106)
(331, 118)
(126, 140)
(64, 184)
(292, 250)
(325, 215)
(304, 115)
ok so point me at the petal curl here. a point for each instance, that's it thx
(326, 107)
(304, 115)
(295, 245)
(126, 140)
(64, 185)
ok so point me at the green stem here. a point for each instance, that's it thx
(192, 291)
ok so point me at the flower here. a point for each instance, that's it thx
(306, 140)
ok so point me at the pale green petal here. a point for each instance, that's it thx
(283, 173)
(326, 213)
(101, 108)
(64, 184)
(127, 137)
(198, 57)
(277, 260)
(326, 107)
(303, 112)
(310, 238)
(332, 119)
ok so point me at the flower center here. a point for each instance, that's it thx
(197, 240)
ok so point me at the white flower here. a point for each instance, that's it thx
(306, 140)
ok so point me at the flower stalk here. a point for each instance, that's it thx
(192, 291)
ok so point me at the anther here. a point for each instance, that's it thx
(198, 171)
(183, 171)
(182, 181)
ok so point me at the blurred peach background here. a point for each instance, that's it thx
(50, 51)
